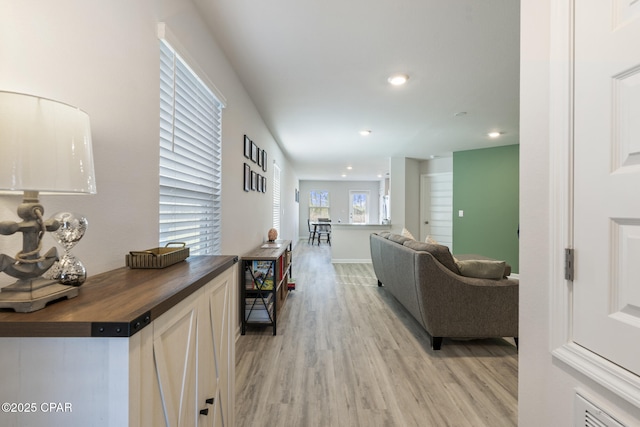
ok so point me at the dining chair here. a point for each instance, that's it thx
(312, 232)
(324, 230)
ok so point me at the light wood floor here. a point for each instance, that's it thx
(347, 354)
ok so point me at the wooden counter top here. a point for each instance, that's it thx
(117, 303)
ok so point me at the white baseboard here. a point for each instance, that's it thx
(351, 261)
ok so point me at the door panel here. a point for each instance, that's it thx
(436, 195)
(607, 180)
(174, 351)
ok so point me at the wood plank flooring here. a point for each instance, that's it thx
(347, 354)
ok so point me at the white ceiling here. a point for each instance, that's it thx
(317, 71)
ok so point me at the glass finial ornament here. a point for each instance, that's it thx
(69, 270)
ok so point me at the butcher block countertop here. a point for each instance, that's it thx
(117, 303)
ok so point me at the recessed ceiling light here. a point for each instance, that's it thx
(344, 175)
(365, 132)
(495, 134)
(398, 79)
(349, 167)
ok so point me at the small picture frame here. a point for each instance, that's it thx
(260, 151)
(254, 181)
(258, 183)
(247, 147)
(254, 152)
(247, 177)
(264, 184)
(264, 161)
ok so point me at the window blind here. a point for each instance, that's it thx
(276, 197)
(190, 157)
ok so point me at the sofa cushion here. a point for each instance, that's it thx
(384, 234)
(481, 268)
(439, 252)
(398, 238)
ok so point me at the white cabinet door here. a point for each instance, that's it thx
(174, 353)
(215, 356)
(193, 352)
(607, 177)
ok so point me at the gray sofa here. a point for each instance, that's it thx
(425, 279)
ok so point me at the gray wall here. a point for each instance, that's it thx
(103, 57)
(338, 199)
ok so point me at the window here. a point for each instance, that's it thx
(318, 205)
(190, 157)
(358, 207)
(276, 197)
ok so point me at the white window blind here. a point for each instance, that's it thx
(190, 157)
(276, 197)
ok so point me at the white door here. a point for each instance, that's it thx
(607, 180)
(436, 208)
(358, 207)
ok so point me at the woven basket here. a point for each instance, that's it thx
(158, 257)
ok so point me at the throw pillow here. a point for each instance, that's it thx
(482, 269)
(407, 233)
(431, 240)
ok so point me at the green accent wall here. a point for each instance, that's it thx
(486, 189)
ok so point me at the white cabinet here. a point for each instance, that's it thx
(193, 355)
(172, 365)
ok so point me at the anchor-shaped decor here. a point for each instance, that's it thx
(31, 292)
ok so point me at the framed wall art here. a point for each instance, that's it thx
(247, 147)
(247, 177)
(254, 152)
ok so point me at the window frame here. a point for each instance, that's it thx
(190, 165)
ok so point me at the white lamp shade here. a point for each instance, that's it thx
(45, 146)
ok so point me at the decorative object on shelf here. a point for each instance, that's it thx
(45, 147)
(158, 257)
(69, 270)
(272, 234)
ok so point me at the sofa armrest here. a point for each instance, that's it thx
(458, 306)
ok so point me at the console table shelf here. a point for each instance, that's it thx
(265, 273)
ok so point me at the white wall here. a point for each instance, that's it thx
(102, 56)
(546, 386)
(404, 194)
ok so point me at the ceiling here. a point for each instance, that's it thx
(317, 72)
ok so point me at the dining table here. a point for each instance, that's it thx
(319, 228)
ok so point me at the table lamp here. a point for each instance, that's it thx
(45, 148)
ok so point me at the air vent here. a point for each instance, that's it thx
(589, 415)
